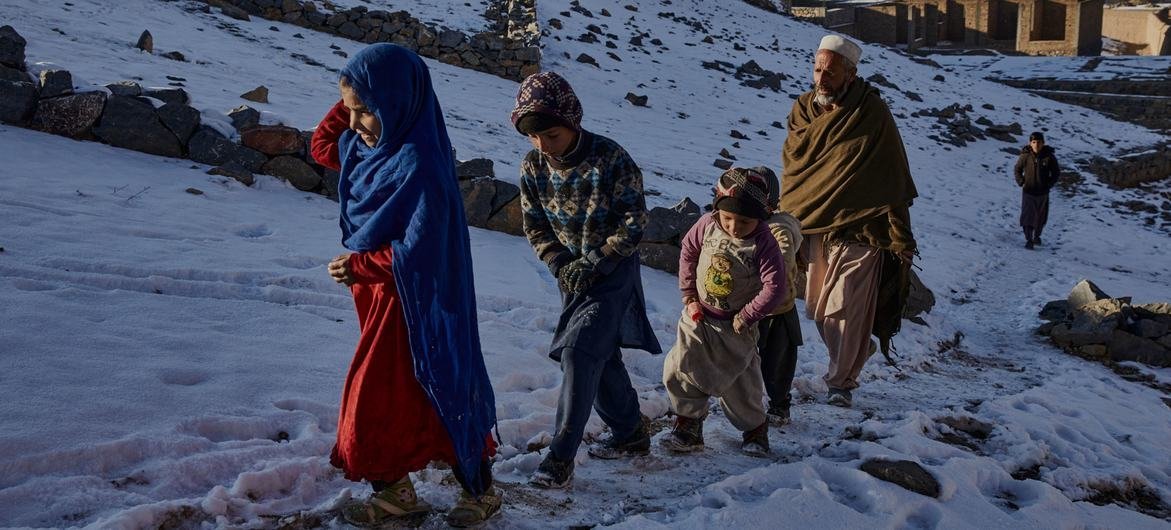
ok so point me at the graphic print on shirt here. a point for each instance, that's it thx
(718, 281)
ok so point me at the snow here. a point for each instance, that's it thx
(179, 357)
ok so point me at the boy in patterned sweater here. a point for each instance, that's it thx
(584, 214)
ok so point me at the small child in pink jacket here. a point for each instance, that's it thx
(732, 275)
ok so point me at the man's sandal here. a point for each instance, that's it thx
(471, 510)
(396, 502)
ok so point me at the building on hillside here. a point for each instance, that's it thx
(1036, 27)
(1139, 30)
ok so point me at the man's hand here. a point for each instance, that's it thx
(339, 270)
(738, 325)
(576, 277)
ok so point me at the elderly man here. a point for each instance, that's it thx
(847, 180)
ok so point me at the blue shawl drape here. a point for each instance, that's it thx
(403, 192)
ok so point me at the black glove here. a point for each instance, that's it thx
(576, 277)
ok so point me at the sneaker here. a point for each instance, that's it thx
(778, 414)
(1029, 244)
(637, 444)
(686, 437)
(840, 397)
(756, 441)
(470, 511)
(1036, 240)
(395, 502)
(552, 473)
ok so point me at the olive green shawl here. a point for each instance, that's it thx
(845, 165)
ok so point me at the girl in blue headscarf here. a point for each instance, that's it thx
(417, 390)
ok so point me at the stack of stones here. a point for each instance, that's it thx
(509, 48)
(1091, 324)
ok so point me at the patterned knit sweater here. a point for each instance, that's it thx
(592, 205)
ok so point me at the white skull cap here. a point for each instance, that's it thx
(841, 46)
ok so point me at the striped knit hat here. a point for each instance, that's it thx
(743, 191)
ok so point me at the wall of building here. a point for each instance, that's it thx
(1141, 28)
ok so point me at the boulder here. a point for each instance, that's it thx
(17, 101)
(181, 120)
(636, 100)
(483, 197)
(73, 116)
(125, 88)
(660, 256)
(1096, 352)
(146, 42)
(476, 167)
(663, 226)
(274, 140)
(329, 180)
(258, 94)
(234, 171)
(132, 123)
(1096, 321)
(1151, 329)
(1128, 347)
(56, 83)
(13, 75)
(168, 95)
(294, 170)
(508, 218)
(905, 473)
(1055, 311)
(1083, 293)
(244, 118)
(207, 146)
(234, 12)
(11, 48)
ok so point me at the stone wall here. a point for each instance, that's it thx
(1146, 31)
(1060, 27)
(1151, 112)
(509, 49)
(1132, 169)
(1138, 87)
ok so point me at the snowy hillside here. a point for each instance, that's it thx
(177, 359)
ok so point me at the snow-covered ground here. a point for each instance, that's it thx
(1026, 67)
(176, 359)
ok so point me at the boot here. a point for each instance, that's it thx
(756, 441)
(637, 444)
(552, 473)
(396, 501)
(471, 510)
(686, 437)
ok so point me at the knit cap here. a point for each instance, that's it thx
(742, 191)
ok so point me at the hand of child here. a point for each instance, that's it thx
(738, 324)
(695, 311)
(339, 270)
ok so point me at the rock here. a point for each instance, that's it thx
(234, 171)
(181, 120)
(585, 58)
(12, 48)
(636, 100)
(905, 473)
(938, 77)
(724, 153)
(73, 116)
(175, 56)
(663, 226)
(659, 256)
(722, 164)
(209, 147)
(1156, 309)
(13, 75)
(132, 123)
(294, 170)
(1096, 321)
(1083, 293)
(177, 96)
(274, 140)
(244, 118)
(484, 196)
(194, 191)
(17, 101)
(1097, 352)
(146, 42)
(1151, 329)
(125, 88)
(1128, 347)
(449, 38)
(258, 94)
(920, 299)
(56, 83)
(234, 12)
(737, 135)
(1055, 310)
(508, 218)
(476, 167)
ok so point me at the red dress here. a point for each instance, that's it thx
(387, 427)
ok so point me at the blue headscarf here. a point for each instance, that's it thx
(403, 192)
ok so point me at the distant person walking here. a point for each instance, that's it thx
(584, 214)
(417, 390)
(1036, 173)
(847, 180)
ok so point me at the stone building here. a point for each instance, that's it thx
(1037, 27)
(1139, 30)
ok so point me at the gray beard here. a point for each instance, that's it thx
(825, 100)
